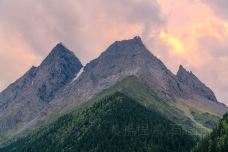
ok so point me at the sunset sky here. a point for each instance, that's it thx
(193, 33)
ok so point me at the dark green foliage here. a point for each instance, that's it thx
(217, 141)
(114, 123)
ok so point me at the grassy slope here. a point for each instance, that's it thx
(135, 89)
(113, 123)
(207, 119)
(217, 141)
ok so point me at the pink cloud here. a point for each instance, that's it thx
(29, 29)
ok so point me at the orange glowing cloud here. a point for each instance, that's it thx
(175, 43)
(204, 38)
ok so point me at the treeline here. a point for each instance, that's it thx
(115, 123)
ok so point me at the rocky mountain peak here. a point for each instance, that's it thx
(27, 96)
(181, 69)
(182, 73)
(127, 47)
(58, 68)
(60, 49)
(137, 39)
(60, 53)
(189, 79)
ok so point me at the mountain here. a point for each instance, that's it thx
(112, 123)
(131, 58)
(122, 59)
(189, 79)
(61, 84)
(26, 97)
(217, 141)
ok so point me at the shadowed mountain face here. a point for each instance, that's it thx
(53, 87)
(23, 99)
(57, 70)
(189, 79)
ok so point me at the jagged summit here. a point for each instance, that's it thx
(131, 46)
(60, 44)
(58, 53)
(182, 71)
(136, 39)
(59, 67)
(189, 79)
(60, 48)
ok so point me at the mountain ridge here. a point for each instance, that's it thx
(55, 90)
(130, 57)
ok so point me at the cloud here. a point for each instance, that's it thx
(204, 38)
(147, 13)
(213, 48)
(196, 37)
(16, 58)
(30, 28)
(175, 43)
(219, 7)
(44, 23)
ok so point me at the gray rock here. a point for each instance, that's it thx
(122, 59)
(189, 79)
(26, 97)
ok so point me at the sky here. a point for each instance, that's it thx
(193, 33)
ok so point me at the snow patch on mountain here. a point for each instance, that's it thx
(78, 74)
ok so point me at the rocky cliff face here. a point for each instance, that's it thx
(122, 59)
(189, 79)
(26, 97)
